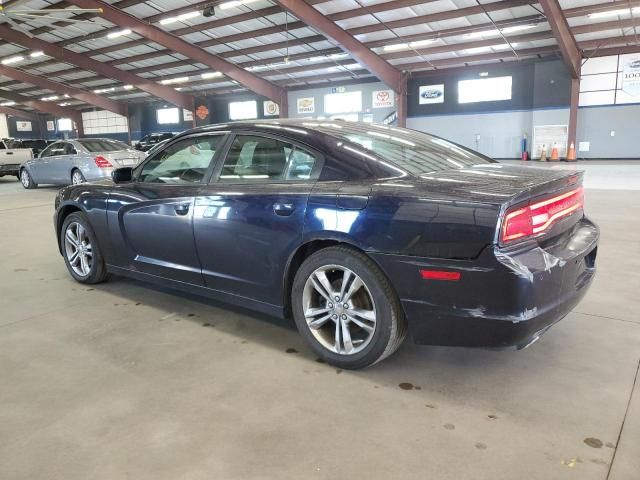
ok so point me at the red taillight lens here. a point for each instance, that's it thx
(534, 219)
(102, 162)
(440, 275)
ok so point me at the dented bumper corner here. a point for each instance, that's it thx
(504, 298)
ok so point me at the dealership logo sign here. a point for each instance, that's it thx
(307, 105)
(271, 108)
(382, 99)
(431, 94)
(631, 75)
(202, 112)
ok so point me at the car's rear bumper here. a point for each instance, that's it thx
(503, 298)
(9, 169)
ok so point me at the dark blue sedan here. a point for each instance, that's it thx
(360, 232)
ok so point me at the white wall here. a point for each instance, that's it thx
(595, 125)
(4, 127)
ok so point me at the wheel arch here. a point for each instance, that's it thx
(308, 248)
(63, 212)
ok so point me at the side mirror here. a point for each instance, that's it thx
(122, 175)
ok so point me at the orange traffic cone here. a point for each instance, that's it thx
(571, 156)
(554, 153)
(543, 153)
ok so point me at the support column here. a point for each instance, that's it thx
(573, 111)
(401, 104)
(284, 106)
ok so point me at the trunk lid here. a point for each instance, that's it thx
(122, 158)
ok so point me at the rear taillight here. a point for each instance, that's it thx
(534, 219)
(102, 162)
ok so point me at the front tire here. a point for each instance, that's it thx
(346, 309)
(26, 180)
(80, 250)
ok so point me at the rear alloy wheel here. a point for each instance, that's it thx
(26, 180)
(80, 250)
(77, 178)
(346, 309)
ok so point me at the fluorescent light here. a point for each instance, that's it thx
(179, 18)
(396, 46)
(67, 95)
(235, 3)
(63, 104)
(495, 32)
(210, 75)
(517, 28)
(178, 88)
(175, 80)
(614, 13)
(14, 59)
(36, 54)
(7, 104)
(504, 46)
(118, 33)
(478, 50)
(484, 74)
(50, 98)
(104, 90)
(483, 33)
(421, 43)
(128, 87)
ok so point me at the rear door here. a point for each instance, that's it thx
(250, 218)
(151, 218)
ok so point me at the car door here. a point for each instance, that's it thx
(151, 218)
(249, 219)
(60, 165)
(42, 168)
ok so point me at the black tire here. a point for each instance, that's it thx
(390, 329)
(26, 180)
(79, 173)
(98, 270)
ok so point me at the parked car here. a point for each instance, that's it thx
(11, 157)
(78, 161)
(148, 141)
(358, 231)
(36, 146)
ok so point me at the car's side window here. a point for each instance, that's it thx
(253, 158)
(183, 162)
(69, 149)
(54, 149)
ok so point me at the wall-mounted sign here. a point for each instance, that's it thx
(51, 126)
(390, 119)
(338, 89)
(271, 108)
(307, 105)
(202, 112)
(382, 99)
(431, 94)
(187, 115)
(23, 126)
(631, 74)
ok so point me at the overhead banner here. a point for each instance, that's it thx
(431, 94)
(631, 74)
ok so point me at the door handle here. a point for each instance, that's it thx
(283, 209)
(182, 209)
(9, 153)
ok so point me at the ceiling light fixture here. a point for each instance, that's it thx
(104, 90)
(14, 59)
(118, 33)
(36, 54)
(7, 104)
(206, 75)
(50, 98)
(128, 87)
(614, 13)
(179, 18)
(396, 46)
(170, 81)
(235, 3)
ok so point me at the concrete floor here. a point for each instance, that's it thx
(127, 381)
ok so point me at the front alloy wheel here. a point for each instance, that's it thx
(346, 309)
(78, 249)
(339, 309)
(26, 180)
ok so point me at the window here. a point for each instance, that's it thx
(56, 148)
(102, 145)
(65, 125)
(243, 110)
(183, 162)
(69, 149)
(413, 152)
(346, 102)
(253, 158)
(610, 80)
(168, 116)
(484, 90)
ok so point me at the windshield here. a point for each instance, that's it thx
(415, 152)
(102, 145)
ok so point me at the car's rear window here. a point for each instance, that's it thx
(415, 152)
(99, 145)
